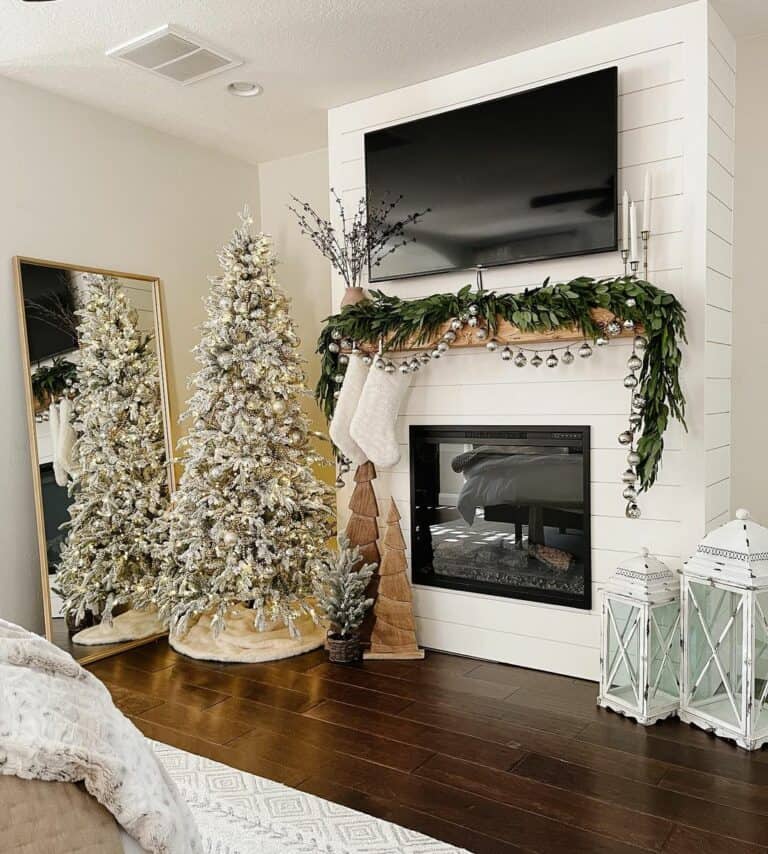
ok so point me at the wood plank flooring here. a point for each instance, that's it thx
(489, 757)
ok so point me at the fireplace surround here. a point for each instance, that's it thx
(502, 511)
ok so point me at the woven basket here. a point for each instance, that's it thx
(343, 650)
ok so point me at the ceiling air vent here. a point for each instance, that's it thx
(174, 54)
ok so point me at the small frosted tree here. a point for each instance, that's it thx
(249, 522)
(120, 480)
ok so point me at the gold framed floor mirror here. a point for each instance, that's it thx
(96, 395)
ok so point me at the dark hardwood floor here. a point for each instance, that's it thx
(486, 756)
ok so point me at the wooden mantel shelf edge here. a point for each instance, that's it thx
(506, 333)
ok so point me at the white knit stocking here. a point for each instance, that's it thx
(373, 424)
(351, 389)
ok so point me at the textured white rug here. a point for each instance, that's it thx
(240, 813)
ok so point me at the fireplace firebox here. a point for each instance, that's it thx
(502, 511)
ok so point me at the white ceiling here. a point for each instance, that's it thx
(308, 54)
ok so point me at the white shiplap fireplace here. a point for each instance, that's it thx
(676, 96)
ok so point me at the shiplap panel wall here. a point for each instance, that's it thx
(721, 133)
(662, 111)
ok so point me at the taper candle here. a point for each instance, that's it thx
(633, 254)
(625, 221)
(647, 201)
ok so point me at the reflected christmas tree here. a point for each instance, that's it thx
(120, 479)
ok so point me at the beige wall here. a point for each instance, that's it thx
(82, 186)
(302, 271)
(750, 293)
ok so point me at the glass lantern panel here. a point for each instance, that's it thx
(760, 686)
(623, 660)
(715, 652)
(664, 653)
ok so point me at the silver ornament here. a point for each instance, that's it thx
(625, 438)
(520, 359)
(506, 354)
(338, 379)
(380, 363)
(426, 358)
(481, 334)
(333, 347)
(414, 365)
(336, 334)
(389, 368)
(641, 343)
(442, 346)
(585, 351)
(633, 458)
(630, 381)
(629, 476)
(456, 324)
(634, 363)
(552, 361)
(491, 346)
(404, 368)
(567, 358)
(629, 324)
(463, 317)
(339, 483)
(635, 420)
(630, 493)
(630, 302)
(367, 360)
(472, 321)
(473, 310)
(632, 511)
(436, 354)
(601, 341)
(450, 336)
(536, 360)
(346, 344)
(638, 401)
(337, 394)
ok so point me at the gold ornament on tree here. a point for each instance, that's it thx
(394, 628)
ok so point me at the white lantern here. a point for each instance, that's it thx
(725, 633)
(640, 653)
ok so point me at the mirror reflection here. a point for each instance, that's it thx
(100, 444)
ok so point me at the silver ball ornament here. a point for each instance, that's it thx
(346, 344)
(630, 381)
(389, 368)
(506, 354)
(449, 337)
(343, 359)
(601, 341)
(426, 358)
(536, 361)
(629, 476)
(520, 359)
(630, 302)
(567, 358)
(473, 310)
(442, 346)
(635, 420)
(333, 347)
(625, 438)
(404, 368)
(472, 321)
(632, 511)
(367, 360)
(456, 324)
(633, 458)
(613, 327)
(336, 335)
(585, 351)
(638, 401)
(339, 483)
(338, 379)
(380, 363)
(634, 363)
(491, 346)
(414, 365)
(436, 354)
(629, 493)
(641, 343)
(552, 361)
(629, 324)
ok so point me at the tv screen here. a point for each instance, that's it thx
(524, 177)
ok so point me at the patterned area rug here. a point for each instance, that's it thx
(240, 813)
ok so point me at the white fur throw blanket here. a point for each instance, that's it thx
(58, 722)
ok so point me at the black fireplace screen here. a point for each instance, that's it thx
(503, 511)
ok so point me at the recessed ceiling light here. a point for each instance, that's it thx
(244, 89)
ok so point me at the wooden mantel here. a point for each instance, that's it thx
(506, 333)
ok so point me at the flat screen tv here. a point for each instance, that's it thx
(525, 177)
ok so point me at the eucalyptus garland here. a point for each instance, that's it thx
(634, 302)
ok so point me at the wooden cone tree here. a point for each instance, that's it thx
(394, 628)
(363, 532)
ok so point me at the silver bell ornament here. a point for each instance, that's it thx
(638, 401)
(536, 361)
(601, 341)
(567, 358)
(633, 458)
(552, 361)
(389, 368)
(625, 438)
(343, 359)
(520, 359)
(436, 354)
(450, 336)
(414, 365)
(506, 354)
(634, 363)
(404, 368)
(585, 351)
(629, 476)
(632, 511)
(630, 493)
(640, 342)
(456, 324)
(630, 381)
(442, 346)
(333, 347)
(491, 346)
(613, 327)
(336, 334)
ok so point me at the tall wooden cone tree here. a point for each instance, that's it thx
(394, 628)
(363, 532)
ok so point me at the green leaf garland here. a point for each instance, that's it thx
(541, 309)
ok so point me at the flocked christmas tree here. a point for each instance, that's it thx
(249, 521)
(120, 480)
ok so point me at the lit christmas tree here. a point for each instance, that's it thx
(120, 479)
(249, 522)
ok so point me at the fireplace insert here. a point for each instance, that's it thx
(502, 511)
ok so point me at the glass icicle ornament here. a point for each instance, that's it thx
(265, 491)
(120, 487)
